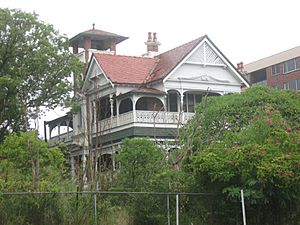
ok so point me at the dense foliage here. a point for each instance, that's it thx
(140, 161)
(28, 164)
(35, 63)
(247, 141)
(143, 167)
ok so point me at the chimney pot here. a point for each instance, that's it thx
(149, 36)
(152, 44)
(240, 66)
(154, 37)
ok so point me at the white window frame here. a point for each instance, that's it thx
(276, 72)
(292, 83)
(298, 84)
(296, 65)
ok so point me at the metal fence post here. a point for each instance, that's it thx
(177, 209)
(95, 208)
(243, 207)
(168, 208)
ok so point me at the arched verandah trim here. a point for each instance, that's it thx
(149, 104)
(126, 105)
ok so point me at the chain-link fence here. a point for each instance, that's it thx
(115, 208)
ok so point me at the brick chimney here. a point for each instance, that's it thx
(240, 67)
(152, 43)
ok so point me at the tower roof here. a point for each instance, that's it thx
(99, 39)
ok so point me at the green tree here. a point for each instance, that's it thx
(28, 164)
(140, 161)
(35, 63)
(247, 141)
(143, 167)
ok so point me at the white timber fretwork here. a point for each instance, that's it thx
(95, 78)
(205, 55)
(205, 68)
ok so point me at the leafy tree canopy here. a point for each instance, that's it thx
(27, 163)
(143, 167)
(248, 141)
(216, 117)
(140, 161)
(35, 63)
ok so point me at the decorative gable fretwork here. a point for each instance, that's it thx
(205, 55)
(95, 71)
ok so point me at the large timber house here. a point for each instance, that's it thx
(146, 96)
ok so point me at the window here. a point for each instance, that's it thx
(276, 69)
(191, 100)
(291, 65)
(292, 84)
(298, 84)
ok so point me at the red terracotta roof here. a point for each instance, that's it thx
(141, 70)
(125, 69)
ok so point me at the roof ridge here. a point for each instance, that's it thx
(148, 77)
(182, 45)
(104, 32)
(186, 48)
(119, 55)
(270, 56)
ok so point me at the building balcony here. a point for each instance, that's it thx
(145, 119)
(64, 137)
(137, 118)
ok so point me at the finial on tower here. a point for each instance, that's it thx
(93, 26)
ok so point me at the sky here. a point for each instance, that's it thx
(244, 30)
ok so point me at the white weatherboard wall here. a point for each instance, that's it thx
(199, 77)
(204, 68)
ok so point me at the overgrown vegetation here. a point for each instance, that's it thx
(248, 141)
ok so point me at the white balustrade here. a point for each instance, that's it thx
(65, 137)
(112, 122)
(161, 117)
(145, 117)
(125, 118)
(188, 116)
